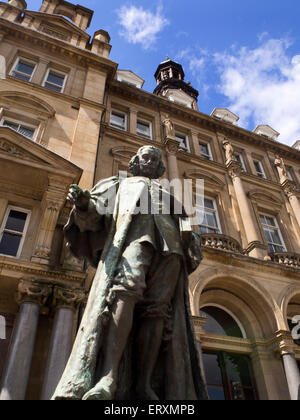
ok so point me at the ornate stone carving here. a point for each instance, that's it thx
(285, 342)
(289, 188)
(229, 152)
(172, 146)
(234, 169)
(32, 291)
(11, 149)
(169, 128)
(67, 298)
(49, 31)
(280, 165)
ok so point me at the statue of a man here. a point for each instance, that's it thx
(136, 338)
(169, 128)
(281, 168)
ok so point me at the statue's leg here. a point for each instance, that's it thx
(129, 284)
(161, 285)
(118, 330)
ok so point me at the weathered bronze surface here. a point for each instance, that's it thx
(136, 339)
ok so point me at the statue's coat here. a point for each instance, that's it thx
(179, 375)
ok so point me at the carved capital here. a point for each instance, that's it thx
(289, 188)
(32, 291)
(234, 169)
(172, 146)
(285, 342)
(67, 298)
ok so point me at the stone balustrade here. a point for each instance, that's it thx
(222, 242)
(288, 259)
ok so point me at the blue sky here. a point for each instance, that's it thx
(243, 55)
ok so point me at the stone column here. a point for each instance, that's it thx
(66, 302)
(290, 364)
(291, 191)
(172, 147)
(31, 296)
(255, 248)
(52, 203)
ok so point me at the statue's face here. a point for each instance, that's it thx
(149, 162)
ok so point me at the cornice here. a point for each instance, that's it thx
(203, 120)
(83, 56)
(12, 267)
(242, 261)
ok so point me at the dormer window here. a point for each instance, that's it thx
(23, 69)
(55, 80)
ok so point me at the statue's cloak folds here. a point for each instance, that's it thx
(178, 374)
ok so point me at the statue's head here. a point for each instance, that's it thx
(147, 162)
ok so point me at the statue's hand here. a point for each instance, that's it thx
(79, 198)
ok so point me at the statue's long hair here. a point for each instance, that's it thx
(134, 164)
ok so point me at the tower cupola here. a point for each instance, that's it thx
(170, 83)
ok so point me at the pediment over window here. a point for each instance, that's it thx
(57, 26)
(123, 153)
(29, 103)
(266, 197)
(17, 149)
(208, 178)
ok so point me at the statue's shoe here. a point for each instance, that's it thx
(103, 391)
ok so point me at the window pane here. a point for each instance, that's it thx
(212, 369)
(143, 128)
(209, 204)
(270, 221)
(16, 221)
(220, 322)
(238, 370)
(10, 244)
(216, 393)
(55, 79)
(204, 149)
(11, 125)
(24, 68)
(117, 119)
(21, 76)
(211, 220)
(53, 87)
(26, 131)
(268, 235)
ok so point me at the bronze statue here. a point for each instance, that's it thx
(136, 338)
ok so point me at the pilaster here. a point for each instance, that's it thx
(52, 203)
(255, 247)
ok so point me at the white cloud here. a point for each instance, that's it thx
(263, 86)
(140, 26)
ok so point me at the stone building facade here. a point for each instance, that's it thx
(68, 115)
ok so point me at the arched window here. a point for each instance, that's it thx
(229, 376)
(221, 322)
